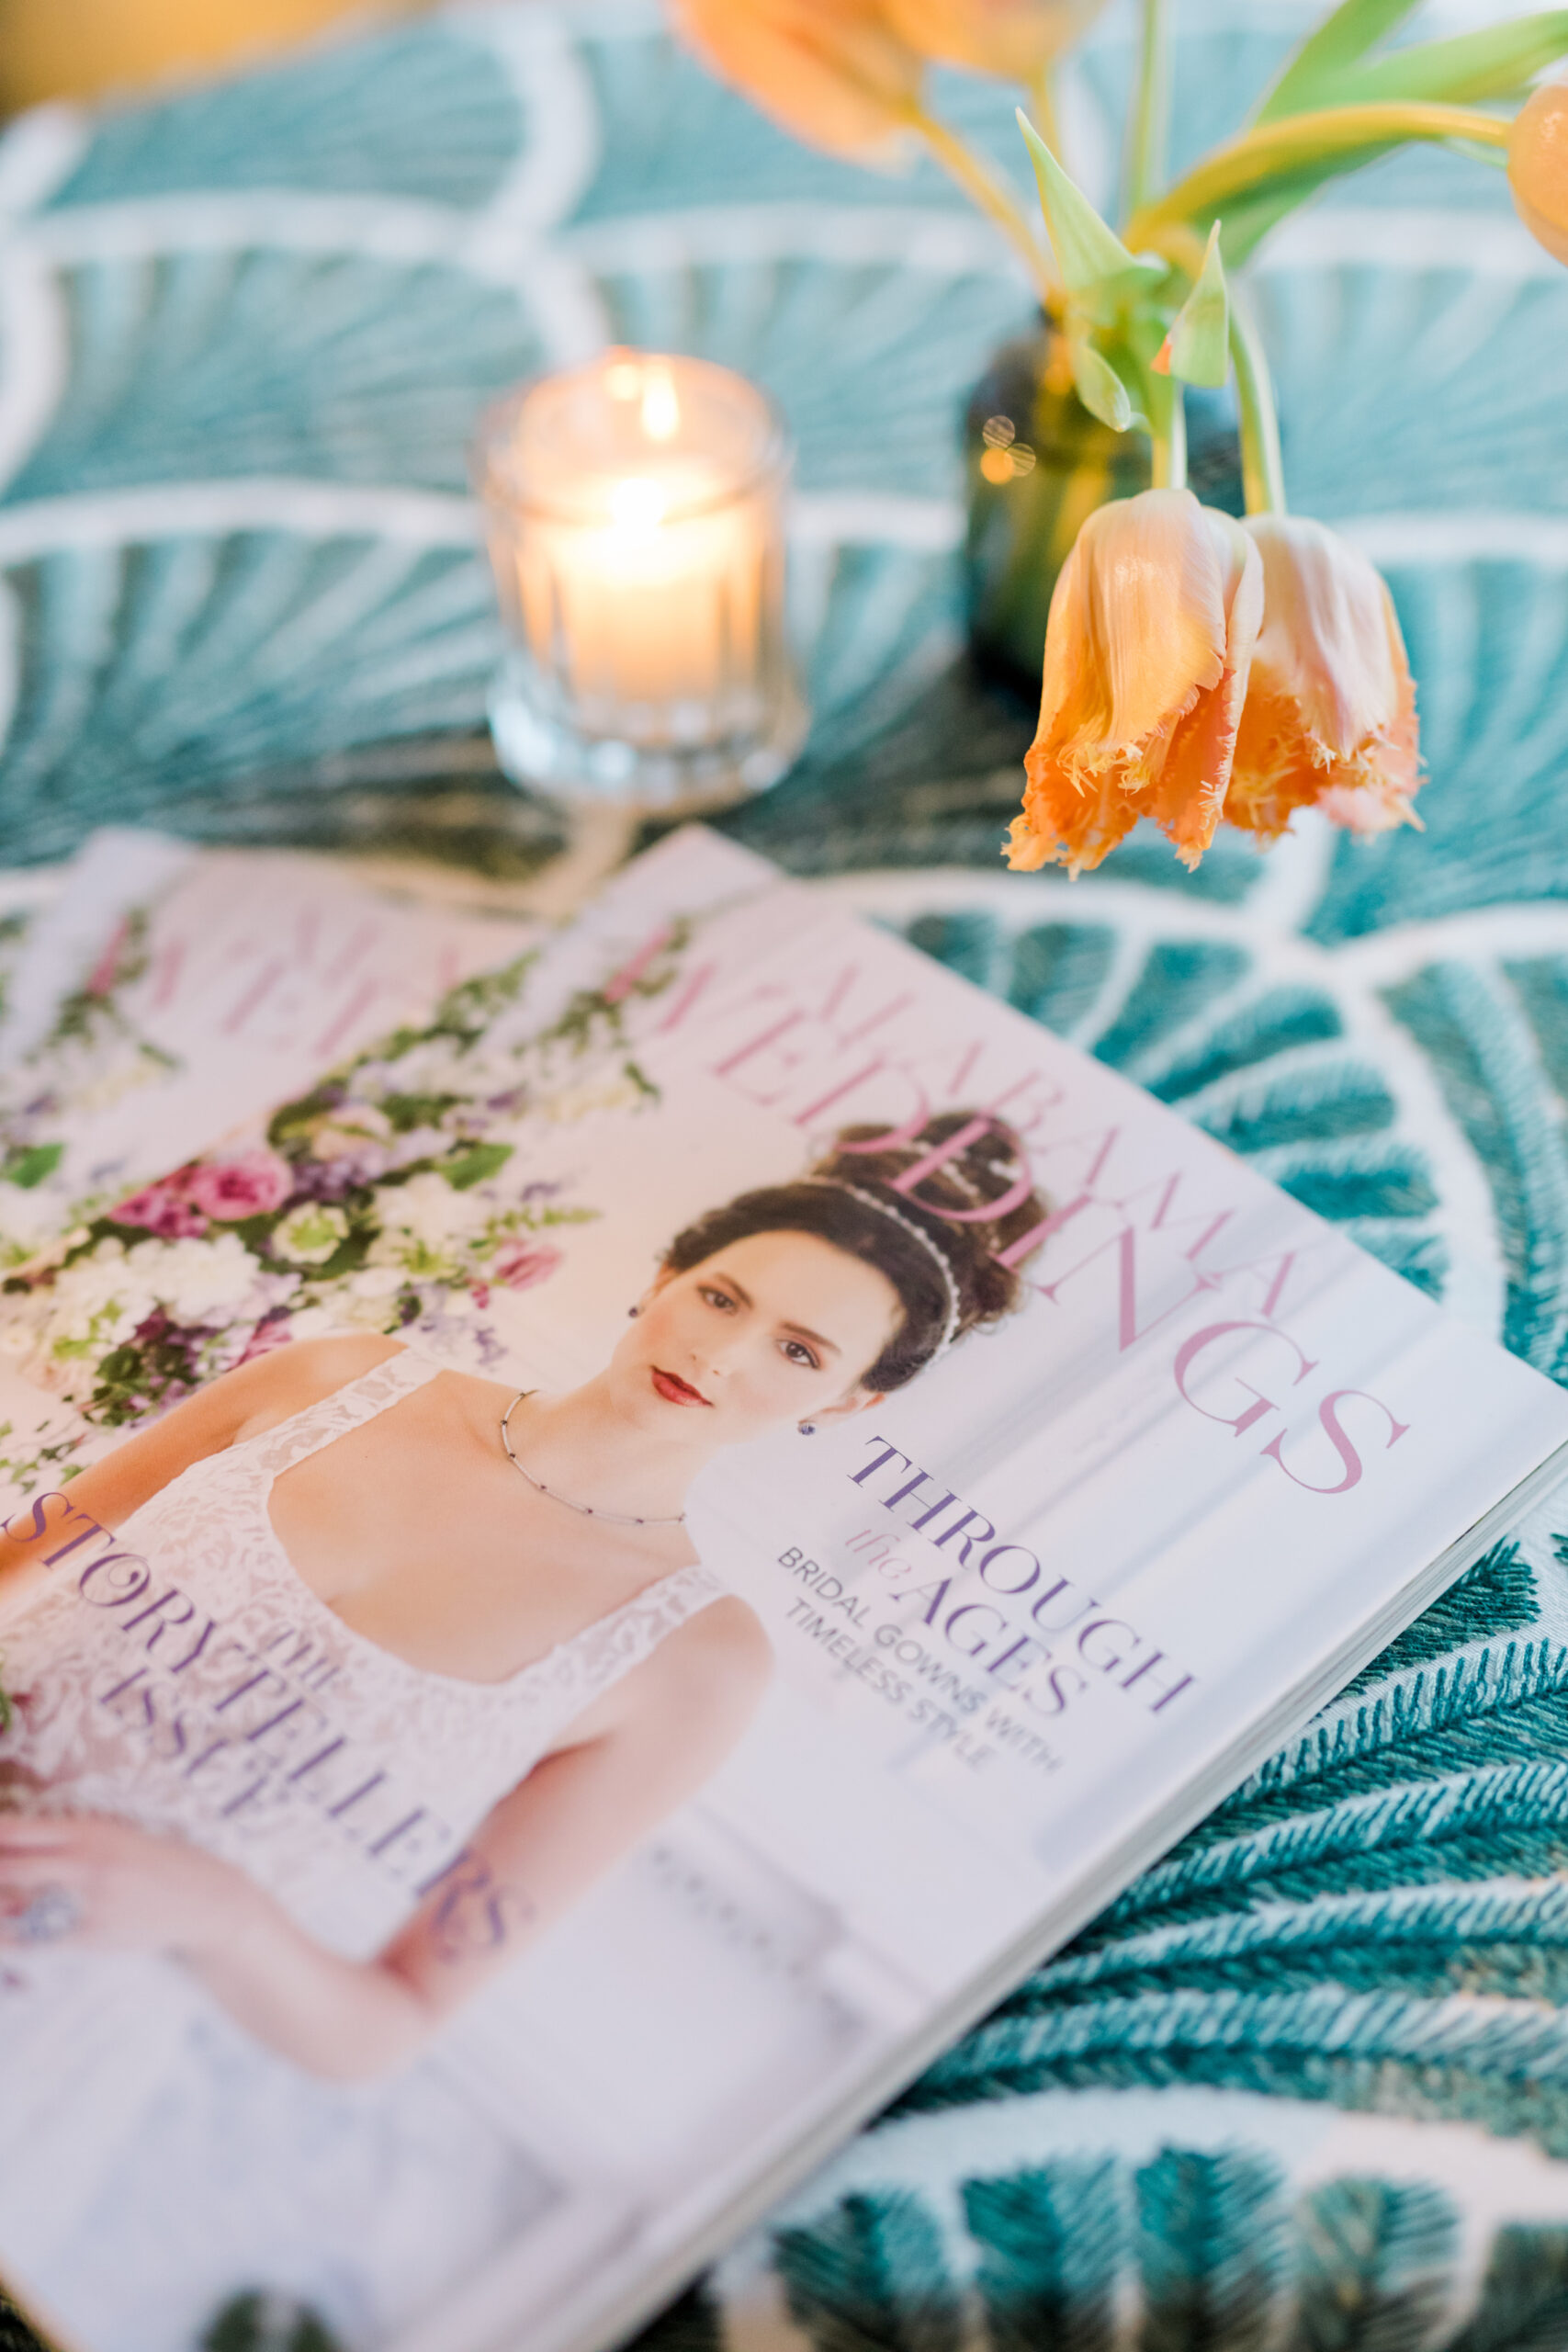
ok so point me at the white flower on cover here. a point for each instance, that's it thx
(374, 1281)
(310, 1233)
(87, 1308)
(27, 1221)
(404, 1254)
(192, 1280)
(433, 1067)
(102, 1288)
(358, 1131)
(429, 1209)
(430, 1228)
(363, 1311)
(314, 1323)
(359, 1119)
(615, 1092)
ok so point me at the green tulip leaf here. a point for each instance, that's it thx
(1339, 43)
(1099, 387)
(1196, 349)
(1466, 70)
(1095, 265)
(1251, 213)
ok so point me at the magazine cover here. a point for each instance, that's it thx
(167, 991)
(574, 1597)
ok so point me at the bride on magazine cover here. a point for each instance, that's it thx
(338, 1684)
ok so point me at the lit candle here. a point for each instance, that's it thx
(634, 515)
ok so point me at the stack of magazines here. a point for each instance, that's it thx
(609, 1532)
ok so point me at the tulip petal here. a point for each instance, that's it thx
(834, 73)
(1553, 234)
(1193, 787)
(1158, 612)
(1015, 39)
(1329, 720)
(1324, 638)
(1146, 656)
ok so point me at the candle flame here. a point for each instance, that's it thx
(638, 504)
(660, 405)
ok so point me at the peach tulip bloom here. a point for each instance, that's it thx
(1538, 166)
(1147, 650)
(834, 73)
(1014, 38)
(1329, 720)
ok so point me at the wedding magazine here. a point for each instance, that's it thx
(582, 1593)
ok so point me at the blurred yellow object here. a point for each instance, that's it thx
(81, 49)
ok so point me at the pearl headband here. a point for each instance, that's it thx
(937, 1256)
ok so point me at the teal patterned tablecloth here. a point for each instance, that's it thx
(1305, 2087)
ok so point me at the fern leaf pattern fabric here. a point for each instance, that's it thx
(1304, 2086)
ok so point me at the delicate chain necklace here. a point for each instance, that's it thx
(589, 1511)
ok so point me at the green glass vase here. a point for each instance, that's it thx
(1037, 465)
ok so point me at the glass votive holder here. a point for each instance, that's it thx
(634, 510)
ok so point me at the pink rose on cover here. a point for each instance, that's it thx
(254, 1185)
(522, 1263)
(164, 1209)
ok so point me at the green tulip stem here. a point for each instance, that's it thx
(1042, 96)
(1274, 150)
(1262, 475)
(1168, 433)
(983, 189)
(1146, 134)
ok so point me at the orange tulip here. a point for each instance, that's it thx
(834, 73)
(1329, 721)
(1150, 639)
(1014, 38)
(1538, 166)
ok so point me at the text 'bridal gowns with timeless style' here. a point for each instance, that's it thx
(154, 2158)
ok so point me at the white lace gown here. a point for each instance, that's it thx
(153, 2159)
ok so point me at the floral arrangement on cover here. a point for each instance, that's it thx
(371, 1203)
(1199, 670)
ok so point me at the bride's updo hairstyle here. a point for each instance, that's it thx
(849, 1198)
